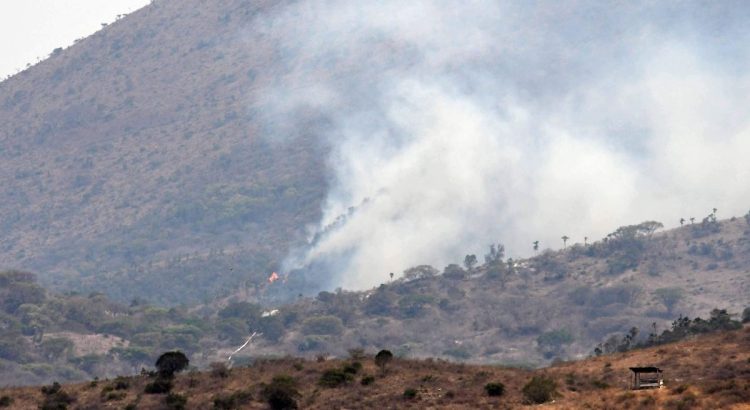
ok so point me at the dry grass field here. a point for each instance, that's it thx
(708, 372)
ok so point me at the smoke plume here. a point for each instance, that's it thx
(470, 123)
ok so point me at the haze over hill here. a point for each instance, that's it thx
(192, 147)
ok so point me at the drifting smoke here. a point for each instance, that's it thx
(508, 122)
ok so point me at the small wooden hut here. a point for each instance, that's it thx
(647, 377)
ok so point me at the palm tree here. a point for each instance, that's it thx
(682, 221)
(565, 241)
(585, 241)
(692, 221)
(536, 245)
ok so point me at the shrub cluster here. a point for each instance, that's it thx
(540, 389)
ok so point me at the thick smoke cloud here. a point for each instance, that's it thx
(469, 123)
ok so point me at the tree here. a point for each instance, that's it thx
(682, 221)
(565, 240)
(585, 241)
(419, 272)
(746, 315)
(536, 245)
(170, 363)
(470, 261)
(692, 220)
(454, 271)
(383, 358)
(497, 253)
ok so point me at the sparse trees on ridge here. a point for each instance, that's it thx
(470, 261)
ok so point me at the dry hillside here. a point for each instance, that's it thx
(135, 162)
(708, 372)
(557, 304)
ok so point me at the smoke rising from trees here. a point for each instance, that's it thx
(493, 121)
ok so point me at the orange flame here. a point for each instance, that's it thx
(273, 278)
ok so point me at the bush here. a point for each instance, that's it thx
(121, 383)
(55, 398)
(352, 368)
(540, 389)
(114, 396)
(175, 401)
(494, 389)
(232, 401)
(746, 315)
(281, 394)
(410, 394)
(367, 380)
(159, 386)
(6, 401)
(334, 378)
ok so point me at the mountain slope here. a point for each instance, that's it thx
(134, 162)
(557, 304)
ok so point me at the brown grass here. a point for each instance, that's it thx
(694, 381)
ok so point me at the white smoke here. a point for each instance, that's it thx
(480, 122)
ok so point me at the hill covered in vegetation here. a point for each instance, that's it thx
(559, 305)
(707, 372)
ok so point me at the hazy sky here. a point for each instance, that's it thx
(30, 29)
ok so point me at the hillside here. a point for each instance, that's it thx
(559, 305)
(708, 372)
(135, 162)
(530, 311)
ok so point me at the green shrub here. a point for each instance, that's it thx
(334, 378)
(175, 401)
(55, 398)
(121, 383)
(281, 394)
(494, 389)
(540, 389)
(410, 393)
(232, 401)
(159, 386)
(367, 380)
(352, 368)
(600, 384)
(6, 401)
(114, 396)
